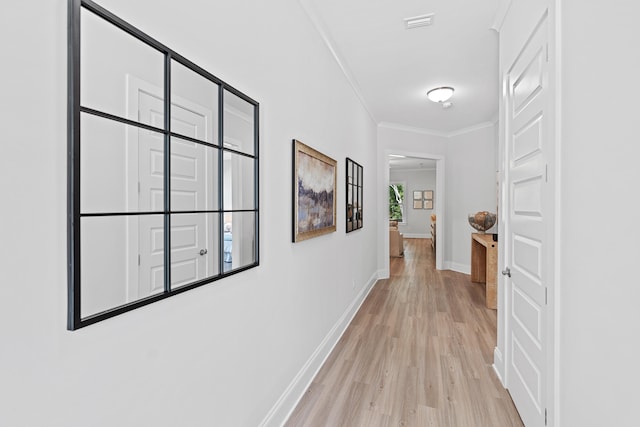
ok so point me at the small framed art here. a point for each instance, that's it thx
(423, 199)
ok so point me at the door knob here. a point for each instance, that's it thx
(203, 251)
(506, 272)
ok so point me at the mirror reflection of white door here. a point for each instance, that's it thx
(232, 200)
(238, 179)
(192, 166)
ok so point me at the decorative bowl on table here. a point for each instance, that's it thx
(482, 221)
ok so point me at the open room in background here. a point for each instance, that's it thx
(418, 179)
(418, 172)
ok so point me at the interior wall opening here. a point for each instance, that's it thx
(415, 190)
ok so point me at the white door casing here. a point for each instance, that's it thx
(439, 202)
(529, 148)
(192, 179)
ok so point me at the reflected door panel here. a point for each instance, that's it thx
(193, 250)
(239, 183)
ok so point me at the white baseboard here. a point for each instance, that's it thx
(292, 395)
(416, 236)
(460, 268)
(498, 365)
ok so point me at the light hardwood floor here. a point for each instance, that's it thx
(418, 353)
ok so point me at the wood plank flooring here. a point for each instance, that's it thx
(418, 353)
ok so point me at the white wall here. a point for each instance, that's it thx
(471, 187)
(599, 293)
(470, 181)
(417, 220)
(223, 354)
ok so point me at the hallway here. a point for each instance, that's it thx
(418, 353)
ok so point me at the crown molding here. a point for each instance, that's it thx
(406, 128)
(501, 13)
(461, 131)
(471, 129)
(331, 45)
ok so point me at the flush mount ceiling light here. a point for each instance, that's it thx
(440, 94)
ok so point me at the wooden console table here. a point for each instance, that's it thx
(484, 265)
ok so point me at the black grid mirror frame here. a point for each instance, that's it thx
(354, 193)
(220, 209)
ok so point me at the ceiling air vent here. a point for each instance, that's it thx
(418, 21)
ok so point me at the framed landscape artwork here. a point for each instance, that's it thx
(314, 193)
(354, 195)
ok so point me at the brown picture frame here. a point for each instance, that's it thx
(314, 193)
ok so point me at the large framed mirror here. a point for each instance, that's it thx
(162, 170)
(354, 181)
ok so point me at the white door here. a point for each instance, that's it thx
(529, 150)
(193, 247)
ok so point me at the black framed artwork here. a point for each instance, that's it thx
(354, 186)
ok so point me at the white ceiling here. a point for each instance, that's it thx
(392, 68)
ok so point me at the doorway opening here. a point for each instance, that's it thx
(414, 187)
